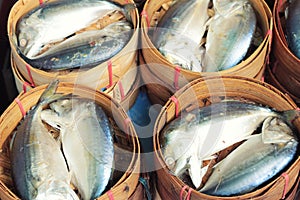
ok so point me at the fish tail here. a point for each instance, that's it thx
(127, 10)
(290, 116)
(50, 95)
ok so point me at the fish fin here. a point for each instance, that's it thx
(195, 171)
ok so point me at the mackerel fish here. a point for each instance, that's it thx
(180, 31)
(39, 170)
(86, 137)
(293, 27)
(196, 136)
(86, 49)
(55, 21)
(254, 162)
(229, 35)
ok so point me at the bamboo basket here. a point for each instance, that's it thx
(127, 148)
(103, 75)
(285, 65)
(205, 91)
(160, 68)
(123, 91)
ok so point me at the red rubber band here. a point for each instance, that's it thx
(41, 2)
(181, 192)
(176, 77)
(110, 73)
(188, 197)
(175, 100)
(110, 195)
(126, 1)
(25, 85)
(298, 109)
(30, 75)
(21, 107)
(121, 90)
(263, 79)
(287, 179)
(144, 14)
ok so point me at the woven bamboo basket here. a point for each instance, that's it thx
(123, 91)
(205, 91)
(285, 65)
(101, 76)
(127, 151)
(162, 69)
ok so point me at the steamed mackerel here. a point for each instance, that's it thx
(253, 163)
(229, 34)
(179, 33)
(293, 27)
(38, 167)
(86, 137)
(86, 49)
(57, 20)
(196, 136)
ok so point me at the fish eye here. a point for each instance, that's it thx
(23, 42)
(170, 162)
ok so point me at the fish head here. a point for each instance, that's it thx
(56, 190)
(26, 42)
(179, 147)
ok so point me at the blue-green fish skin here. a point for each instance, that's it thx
(86, 136)
(54, 21)
(179, 32)
(229, 34)
(184, 136)
(37, 173)
(93, 48)
(250, 165)
(293, 27)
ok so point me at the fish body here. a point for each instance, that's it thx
(293, 27)
(57, 20)
(250, 165)
(86, 49)
(86, 141)
(229, 34)
(38, 167)
(179, 33)
(196, 136)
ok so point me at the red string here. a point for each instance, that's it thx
(298, 109)
(21, 107)
(41, 2)
(110, 195)
(144, 14)
(176, 77)
(175, 100)
(287, 179)
(121, 90)
(126, 1)
(30, 75)
(263, 79)
(25, 85)
(188, 197)
(181, 192)
(110, 73)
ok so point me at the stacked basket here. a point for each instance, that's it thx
(170, 77)
(284, 67)
(127, 155)
(103, 76)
